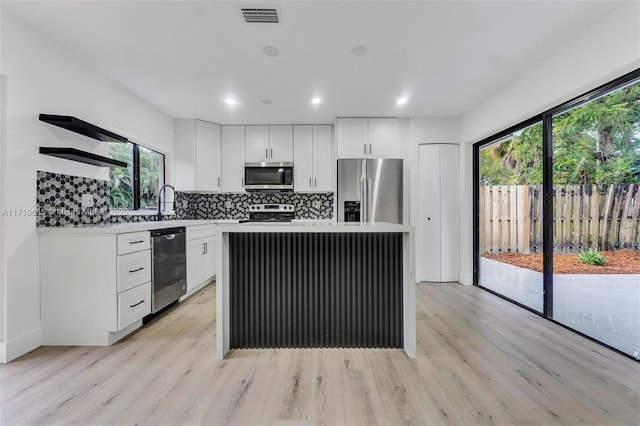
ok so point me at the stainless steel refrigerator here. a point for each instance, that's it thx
(370, 190)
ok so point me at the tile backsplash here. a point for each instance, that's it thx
(59, 201)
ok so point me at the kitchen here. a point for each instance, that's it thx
(42, 76)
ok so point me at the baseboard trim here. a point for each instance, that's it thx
(21, 345)
(466, 279)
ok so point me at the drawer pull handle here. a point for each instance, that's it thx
(136, 270)
(139, 303)
(136, 242)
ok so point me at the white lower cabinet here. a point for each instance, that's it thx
(133, 305)
(201, 256)
(95, 288)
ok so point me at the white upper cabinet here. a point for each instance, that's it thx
(369, 138)
(384, 138)
(269, 144)
(257, 144)
(233, 152)
(281, 143)
(197, 156)
(313, 158)
(323, 158)
(303, 158)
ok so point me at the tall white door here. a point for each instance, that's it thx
(437, 233)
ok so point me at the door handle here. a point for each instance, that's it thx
(271, 152)
(365, 149)
(266, 153)
(315, 182)
(310, 186)
(218, 182)
(139, 303)
(369, 149)
(135, 270)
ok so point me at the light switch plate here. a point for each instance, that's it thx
(87, 200)
(228, 205)
(317, 204)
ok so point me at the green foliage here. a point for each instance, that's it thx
(595, 143)
(592, 256)
(121, 179)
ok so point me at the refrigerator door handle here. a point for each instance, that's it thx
(365, 200)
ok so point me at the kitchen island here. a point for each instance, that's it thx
(315, 284)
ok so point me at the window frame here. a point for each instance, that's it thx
(547, 192)
(136, 177)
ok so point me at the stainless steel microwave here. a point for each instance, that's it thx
(268, 177)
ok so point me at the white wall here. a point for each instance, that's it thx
(605, 50)
(44, 78)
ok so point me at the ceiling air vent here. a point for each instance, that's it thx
(260, 16)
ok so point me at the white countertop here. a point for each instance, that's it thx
(314, 226)
(229, 225)
(122, 228)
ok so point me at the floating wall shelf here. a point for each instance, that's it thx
(82, 157)
(82, 127)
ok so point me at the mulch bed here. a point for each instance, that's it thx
(625, 261)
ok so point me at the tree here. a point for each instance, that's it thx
(595, 143)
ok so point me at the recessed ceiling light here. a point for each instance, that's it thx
(267, 101)
(359, 50)
(316, 101)
(401, 101)
(231, 101)
(271, 51)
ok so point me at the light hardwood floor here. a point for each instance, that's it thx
(480, 360)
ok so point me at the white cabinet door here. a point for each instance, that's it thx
(384, 138)
(184, 133)
(303, 158)
(257, 144)
(449, 213)
(323, 161)
(195, 255)
(207, 156)
(233, 158)
(352, 138)
(209, 258)
(281, 143)
(437, 230)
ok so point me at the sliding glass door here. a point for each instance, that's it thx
(596, 261)
(557, 224)
(510, 216)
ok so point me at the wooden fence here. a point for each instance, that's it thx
(604, 217)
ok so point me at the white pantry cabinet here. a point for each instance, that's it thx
(201, 256)
(313, 163)
(369, 138)
(197, 156)
(269, 143)
(233, 158)
(95, 288)
(438, 226)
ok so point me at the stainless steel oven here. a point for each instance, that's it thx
(169, 269)
(268, 177)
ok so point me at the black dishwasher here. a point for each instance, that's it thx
(169, 273)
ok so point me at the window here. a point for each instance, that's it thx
(557, 228)
(136, 187)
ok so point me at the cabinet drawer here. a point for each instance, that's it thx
(133, 304)
(134, 269)
(133, 241)
(200, 231)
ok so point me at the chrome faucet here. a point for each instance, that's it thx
(160, 200)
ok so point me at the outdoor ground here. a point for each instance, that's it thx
(618, 262)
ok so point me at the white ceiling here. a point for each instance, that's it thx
(185, 57)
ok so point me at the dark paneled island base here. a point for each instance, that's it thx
(313, 290)
(315, 285)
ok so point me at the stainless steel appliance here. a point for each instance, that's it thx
(268, 177)
(370, 190)
(169, 273)
(270, 213)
